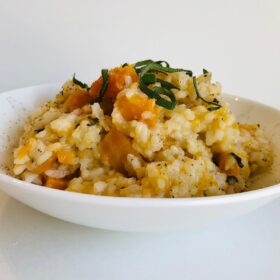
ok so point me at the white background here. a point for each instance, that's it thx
(47, 41)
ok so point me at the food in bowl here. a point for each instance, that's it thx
(141, 130)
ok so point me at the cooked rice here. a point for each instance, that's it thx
(189, 151)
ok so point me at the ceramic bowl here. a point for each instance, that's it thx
(133, 214)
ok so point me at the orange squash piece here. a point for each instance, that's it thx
(65, 157)
(25, 149)
(45, 165)
(117, 82)
(56, 183)
(133, 108)
(115, 146)
(77, 100)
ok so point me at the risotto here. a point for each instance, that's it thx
(141, 130)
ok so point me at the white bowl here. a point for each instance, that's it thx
(132, 214)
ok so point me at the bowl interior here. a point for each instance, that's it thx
(17, 105)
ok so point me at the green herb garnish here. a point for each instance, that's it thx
(148, 83)
(105, 77)
(205, 71)
(156, 94)
(163, 62)
(231, 180)
(146, 78)
(213, 108)
(155, 66)
(79, 83)
(158, 66)
(149, 78)
(215, 102)
(39, 130)
(238, 160)
(163, 93)
(142, 63)
(167, 84)
(93, 121)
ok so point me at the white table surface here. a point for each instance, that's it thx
(47, 41)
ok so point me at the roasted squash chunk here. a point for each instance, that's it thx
(77, 100)
(139, 108)
(115, 146)
(119, 77)
(56, 183)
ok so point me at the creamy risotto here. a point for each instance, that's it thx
(141, 130)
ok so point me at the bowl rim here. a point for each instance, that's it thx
(138, 201)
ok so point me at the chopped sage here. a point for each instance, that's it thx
(238, 160)
(231, 180)
(79, 83)
(105, 77)
(215, 101)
